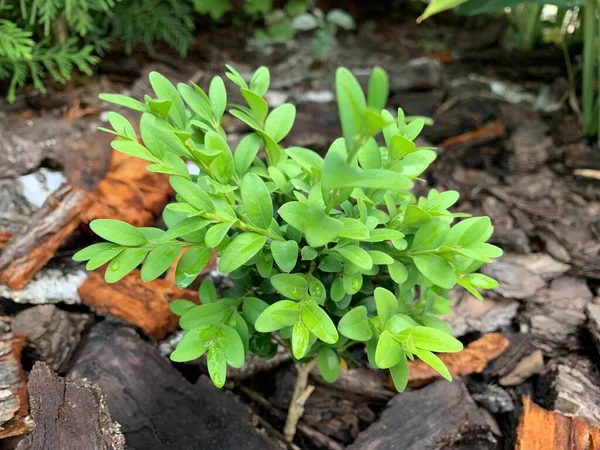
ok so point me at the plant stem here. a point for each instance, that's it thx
(587, 93)
(532, 26)
(302, 392)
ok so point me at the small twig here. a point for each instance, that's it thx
(302, 392)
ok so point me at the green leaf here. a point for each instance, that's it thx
(482, 281)
(354, 229)
(399, 374)
(216, 233)
(285, 254)
(124, 263)
(165, 90)
(387, 304)
(434, 340)
(192, 194)
(290, 285)
(400, 147)
(241, 250)
(414, 128)
(377, 93)
(217, 366)
(260, 81)
(468, 231)
(316, 289)
(232, 346)
(434, 362)
(300, 340)
(123, 100)
(159, 260)
(389, 352)
(284, 313)
(356, 255)
(190, 265)
(245, 153)
(93, 250)
(189, 348)
(369, 155)
(398, 272)
(257, 200)
(257, 104)
(319, 323)
(204, 315)
(279, 122)
(355, 325)
(380, 258)
(337, 290)
(102, 258)
(329, 364)
(253, 307)
(415, 163)
(341, 18)
(118, 232)
(207, 291)
(132, 148)
(437, 6)
(430, 235)
(308, 159)
(218, 97)
(180, 307)
(351, 104)
(384, 234)
(308, 253)
(436, 269)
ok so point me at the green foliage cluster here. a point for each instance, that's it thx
(326, 252)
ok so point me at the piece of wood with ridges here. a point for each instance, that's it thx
(144, 305)
(14, 408)
(485, 134)
(69, 415)
(30, 249)
(473, 359)
(540, 429)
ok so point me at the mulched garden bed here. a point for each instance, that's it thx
(508, 142)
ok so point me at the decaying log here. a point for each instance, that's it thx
(557, 315)
(129, 193)
(14, 409)
(573, 389)
(155, 406)
(30, 249)
(145, 305)
(69, 415)
(51, 334)
(473, 359)
(441, 415)
(540, 429)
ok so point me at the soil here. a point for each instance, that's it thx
(508, 141)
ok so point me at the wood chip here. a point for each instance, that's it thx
(441, 415)
(528, 366)
(30, 249)
(14, 409)
(69, 415)
(540, 429)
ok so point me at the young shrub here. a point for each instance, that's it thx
(325, 252)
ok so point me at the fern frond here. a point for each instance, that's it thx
(15, 42)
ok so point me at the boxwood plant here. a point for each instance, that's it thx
(324, 252)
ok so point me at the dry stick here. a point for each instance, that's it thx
(301, 393)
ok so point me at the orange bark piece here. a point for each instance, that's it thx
(473, 359)
(30, 249)
(484, 133)
(540, 429)
(145, 305)
(10, 358)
